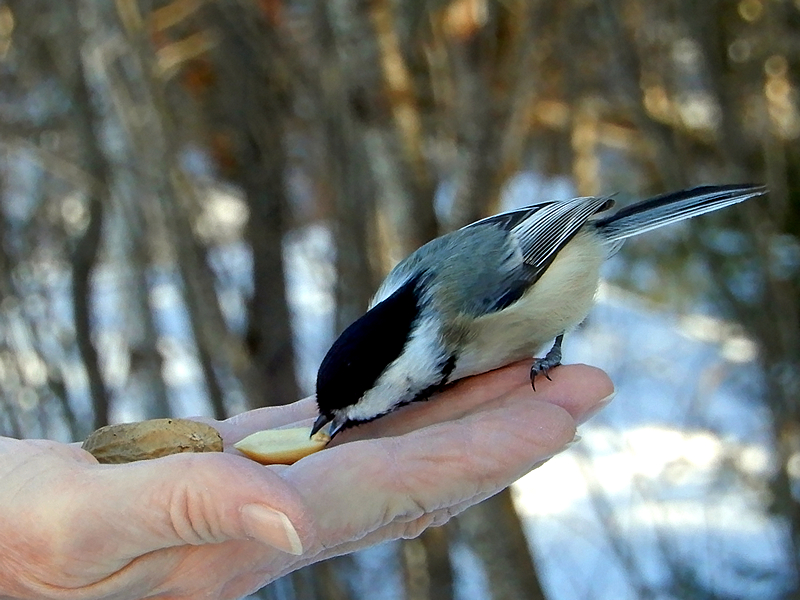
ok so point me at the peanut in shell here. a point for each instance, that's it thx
(144, 440)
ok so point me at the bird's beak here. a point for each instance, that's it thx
(337, 424)
(321, 421)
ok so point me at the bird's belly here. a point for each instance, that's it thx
(556, 303)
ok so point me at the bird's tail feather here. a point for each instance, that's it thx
(669, 208)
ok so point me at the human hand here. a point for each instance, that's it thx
(221, 526)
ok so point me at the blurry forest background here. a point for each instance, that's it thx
(170, 168)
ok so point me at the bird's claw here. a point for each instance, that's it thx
(542, 366)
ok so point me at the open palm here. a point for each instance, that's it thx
(213, 525)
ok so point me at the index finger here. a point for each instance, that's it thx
(578, 389)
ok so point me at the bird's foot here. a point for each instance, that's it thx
(542, 366)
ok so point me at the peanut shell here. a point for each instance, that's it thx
(129, 442)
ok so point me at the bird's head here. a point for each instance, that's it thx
(364, 374)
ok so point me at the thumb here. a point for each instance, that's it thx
(193, 499)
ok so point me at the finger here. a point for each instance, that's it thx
(272, 417)
(579, 389)
(189, 499)
(582, 390)
(434, 467)
(45, 448)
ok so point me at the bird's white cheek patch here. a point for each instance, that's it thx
(417, 368)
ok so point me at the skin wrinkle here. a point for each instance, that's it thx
(242, 585)
(262, 574)
(167, 588)
(210, 519)
(198, 518)
(199, 565)
(452, 459)
(237, 467)
(401, 484)
(193, 517)
(405, 488)
(178, 509)
(478, 429)
(388, 449)
(205, 520)
(401, 519)
(146, 494)
(191, 564)
(391, 453)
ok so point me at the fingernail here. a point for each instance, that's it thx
(566, 446)
(571, 443)
(271, 527)
(597, 407)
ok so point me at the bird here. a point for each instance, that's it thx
(484, 296)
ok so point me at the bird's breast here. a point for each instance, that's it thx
(558, 301)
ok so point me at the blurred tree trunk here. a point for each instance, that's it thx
(208, 326)
(776, 327)
(366, 46)
(352, 184)
(427, 569)
(86, 249)
(252, 106)
(479, 116)
(490, 51)
(493, 530)
(252, 109)
(269, 334)
(735, 85)
(144, 385)
(658, 138)
(354, 219)
(84, 257)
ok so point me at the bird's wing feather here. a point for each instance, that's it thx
(541, 230)
(538, 232)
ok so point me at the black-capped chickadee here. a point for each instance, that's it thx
(487, 295)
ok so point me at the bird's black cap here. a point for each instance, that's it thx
(362, 352)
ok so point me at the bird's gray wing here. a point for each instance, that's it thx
(502, 271)
(539, 232)
(542, 229)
